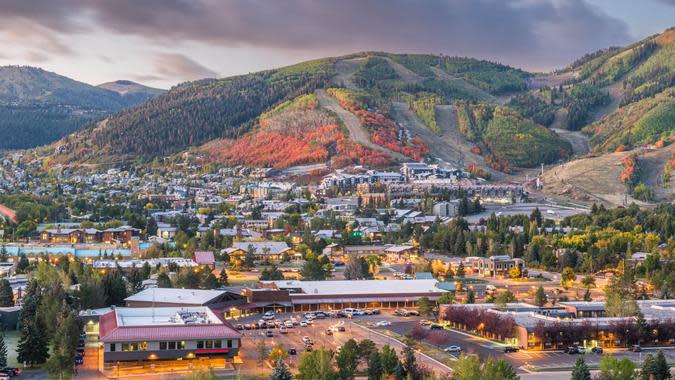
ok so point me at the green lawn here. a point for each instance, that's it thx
(12, 341)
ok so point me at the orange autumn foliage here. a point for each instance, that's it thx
(629, 171)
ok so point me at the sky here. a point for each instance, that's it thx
(165, 42)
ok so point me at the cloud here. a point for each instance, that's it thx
(36, 57)
(523, 32)
(172, 65)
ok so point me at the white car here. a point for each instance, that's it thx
(268, 316)
(452, 349)
(383, 323)
(283, 330)
(288, 324)
(303, 323)
(306, 340)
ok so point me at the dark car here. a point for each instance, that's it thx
(79, 360)
(239, 327)
(596, 350)
(308, 347)
(435, 327)
(269, 333)
(292, 351)
(341, 328)
(510, 349)
(11, 371)
(80, 351)
(375, 312)
(572, 350)
(329, 332)
(636, 348)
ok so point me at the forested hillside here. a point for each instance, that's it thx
(38, 107)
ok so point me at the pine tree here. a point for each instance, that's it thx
(661, 368)
(580, 371)
(63, 343)
(540, 297)
(470, 297)
(3, 352)
(281, 371)
(374, 366)
(410, 362)
(6, 294)
(33, 345)
(648, 368)
(222, 279)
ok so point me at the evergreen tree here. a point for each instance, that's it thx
(23, 263)
(388, 360)
(3, 352)
(222, 279)
(661, 368)
(210, 282)
(6, 294)
(163, 280)
(580, 371)
(460, 270)
(374, 366)
(470, 297)
(281, 371)
(540, 297)
(33, 344)
(347, 360)
(64, 342)
(410, 363)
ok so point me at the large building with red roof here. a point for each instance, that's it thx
(167, 334)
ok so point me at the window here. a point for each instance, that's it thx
(229, 343)
(208, 344)
(112, 347)
(143, 346)
(217, 344)
(200, 344)
(181, 345)
(125, 347)
(162, 345)
(172, 345)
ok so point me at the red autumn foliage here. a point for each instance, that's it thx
(629, 163)
(660, 144)
(476, 171)
(476, 150)
(350, 152)
(620, 148)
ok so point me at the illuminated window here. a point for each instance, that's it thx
(181, 345)
(209, 344)
(125, 347)
(143, 346)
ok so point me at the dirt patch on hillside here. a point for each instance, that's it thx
(356, 131)
(403, 72)
(596, 179)
(578, 140)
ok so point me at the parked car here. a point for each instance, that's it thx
(306, 340)
(12, 371)
(383, 323)
(269, 333)
(239, 326)
(4, 376)
(572, 350)
(596, 350)
(79, 360)
(288, 324)
(268, 316)
(303, 323)
(452, 349)
(292, 351)
(308, 348)
(375, 312)
(341, 328)
(283, 330)
(435, 327)
(636, 348)
(581, 350)
(510, 349)
(425, 322)
(329, 332)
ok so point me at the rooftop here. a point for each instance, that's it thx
(171, 295)
(359, 287)
(165, 316)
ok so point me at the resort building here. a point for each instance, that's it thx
(162, 335)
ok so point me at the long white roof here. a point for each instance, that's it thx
(171, 295)
(345, 287)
